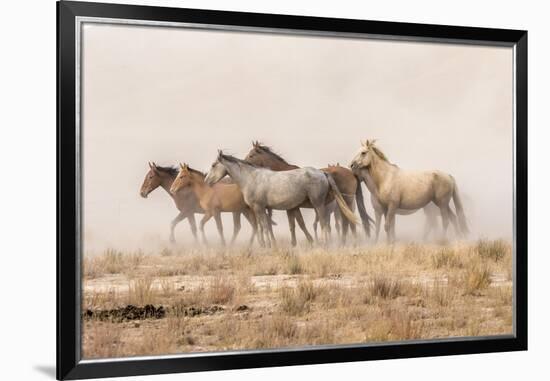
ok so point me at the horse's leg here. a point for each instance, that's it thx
(454, 222)
(259, 212)
(270, 230)
(389, 224)
(345, 226)
(302, 224)
(204, 220)
(173, 224)
(236, 225)
(323, 218)
(292, 226)
(219, 225)
(315, 223)
(353, 229)
(378, 222)
(338, 223)
(193, 224)
(251, 218)
(444, 208)
(428, 226)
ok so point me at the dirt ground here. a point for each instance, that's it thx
(214, 299)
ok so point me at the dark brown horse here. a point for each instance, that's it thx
(345, 180)
(186, 201)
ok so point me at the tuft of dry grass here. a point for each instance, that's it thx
(168, 288)
(477, 278)
(386, 288)
(141, 292)
(446, 257)
(220, 291)
(297, 301)
(294, 265)
(101, 341)
(495, 250)
(111, 262)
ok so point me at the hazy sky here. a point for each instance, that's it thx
(174, 94)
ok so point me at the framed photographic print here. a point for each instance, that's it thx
(244, 190)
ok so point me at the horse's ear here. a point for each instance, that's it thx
(181, 166)
(220, 153)
(364, 143)
(150, 165)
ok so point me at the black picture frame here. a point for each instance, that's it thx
(69, 364)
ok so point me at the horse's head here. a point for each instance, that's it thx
(257, 155)
(182, 180)
(364, 157)
(217, 170)
(151, 182)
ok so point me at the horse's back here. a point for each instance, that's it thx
(343, 177)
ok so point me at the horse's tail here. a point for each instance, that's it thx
(365, 218)
(344, 208)
(459, 210)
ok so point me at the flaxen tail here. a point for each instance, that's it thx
(460, 211)
(365, 218)
(346, 211)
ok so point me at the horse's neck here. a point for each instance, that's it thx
(166, 183)
(278, 165)
(379, 170)
(239, 173)
(200, 187)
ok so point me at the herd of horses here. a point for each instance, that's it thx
(264, 181)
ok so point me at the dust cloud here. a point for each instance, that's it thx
(174, 95)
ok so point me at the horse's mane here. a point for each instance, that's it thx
(196, 171)
(172, 171)
(233, 159)
(381, 154)
(270, 151)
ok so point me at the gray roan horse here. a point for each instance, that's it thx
(263, 156)
(395, 189)
(264, 189)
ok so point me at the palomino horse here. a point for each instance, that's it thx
(395, 188)
(346, 182)
(186, 201)
(264, 189)
(221, 197)
(430, 210)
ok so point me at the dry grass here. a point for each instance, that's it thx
(385, 288)
(141, 292)
(290, 297)
(477, 278)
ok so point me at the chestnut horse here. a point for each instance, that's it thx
(221, 197)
